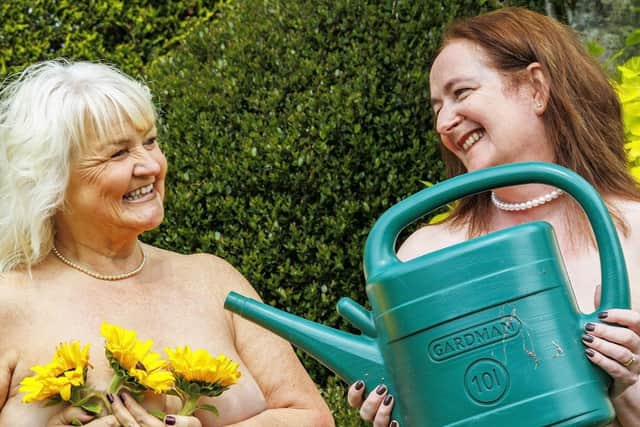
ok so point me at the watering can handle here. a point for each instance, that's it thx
(380, 247)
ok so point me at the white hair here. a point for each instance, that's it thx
(46, 113)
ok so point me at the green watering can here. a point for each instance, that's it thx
(483, 333)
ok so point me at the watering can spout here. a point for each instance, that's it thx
(349, 356)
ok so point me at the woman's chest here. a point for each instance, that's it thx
(585, 275)
(42, 324)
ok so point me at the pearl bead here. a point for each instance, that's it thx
(521, 206)
(110, 277)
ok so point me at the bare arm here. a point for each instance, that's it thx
(291, 395)
(614, 346)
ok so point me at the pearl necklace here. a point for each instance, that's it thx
(110, 277)
(522, 206)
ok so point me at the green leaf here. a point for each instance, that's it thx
(594, 48)
(439, 217)
(92, 407)
(633, 38)
(157, 413)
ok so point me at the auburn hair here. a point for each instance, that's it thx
(583, 117)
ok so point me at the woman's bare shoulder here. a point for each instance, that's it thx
(430, 238)
(200, 259)
(208, 269)
(630, 209)
(12, 287)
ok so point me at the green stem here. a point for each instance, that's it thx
(190, 406)
(116, 382)
(105, 402)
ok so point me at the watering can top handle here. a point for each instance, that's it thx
(380, 246)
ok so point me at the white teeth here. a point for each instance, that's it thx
(475, 136)
(136, 194)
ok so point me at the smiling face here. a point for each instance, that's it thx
(116, 186)
(481, 116)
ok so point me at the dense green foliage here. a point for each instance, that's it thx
(289, 126)
(126, 33)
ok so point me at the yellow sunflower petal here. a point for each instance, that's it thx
(201, 366)
(66, 370)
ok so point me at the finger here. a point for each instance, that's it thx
(355, 395)
(618, 372)
(610, 350)
(69, 415)
(120, 411)
(8, 362)
(371, 404)
(622, 336)
(182, 421)
(139, 413)
(383, 416)
(108, 421)
(628, 318)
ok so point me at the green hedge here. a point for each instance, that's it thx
(289, 128)
(128, 33)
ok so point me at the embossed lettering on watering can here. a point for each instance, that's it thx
(484, 333)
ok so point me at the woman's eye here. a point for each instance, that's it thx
(462, 92)
(150, 142)
(119, 153)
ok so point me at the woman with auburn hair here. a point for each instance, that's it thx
(83, 176)
(516, 86)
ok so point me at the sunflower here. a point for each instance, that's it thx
(199, 374)
(199, 365)
(136, 367)
(67, 369)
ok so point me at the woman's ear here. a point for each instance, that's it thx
(539, 87)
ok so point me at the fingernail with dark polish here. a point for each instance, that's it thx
(587, 338)
(394, 423)
(590, 327)
(359, 384)
(110, 397)
(381, 389)
(589, 352)
(387, 400)
(170, 420)
(603, 315)
(121, 396)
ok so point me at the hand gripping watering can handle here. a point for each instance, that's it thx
(380, 247)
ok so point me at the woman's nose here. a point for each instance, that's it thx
(447, 120)
(147, 163)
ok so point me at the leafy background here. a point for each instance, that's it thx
(289, 126)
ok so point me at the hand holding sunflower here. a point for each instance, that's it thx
(187, 374)
(63, 380)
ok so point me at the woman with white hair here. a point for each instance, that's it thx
(82, 177)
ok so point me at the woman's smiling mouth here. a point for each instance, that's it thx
(468, 142)
(138, 193)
